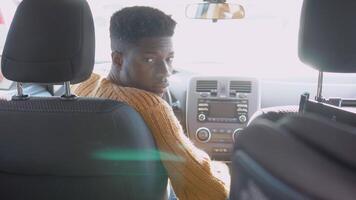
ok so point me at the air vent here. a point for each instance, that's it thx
(241, 86)
(206, 86)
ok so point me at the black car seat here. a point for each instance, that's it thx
(68, 147)
(274, 113)
(310, 153)
(299, 157)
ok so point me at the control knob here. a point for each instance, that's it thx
(203, 134)
(201, 117)
(243, 118)
(236, 134)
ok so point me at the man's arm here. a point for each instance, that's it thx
(190, 169)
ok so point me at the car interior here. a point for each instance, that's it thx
(283, 136)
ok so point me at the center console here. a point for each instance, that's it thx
(218, 108)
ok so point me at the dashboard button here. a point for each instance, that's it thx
(203, 134)
(216, 150)
(241, 110)
(203, 105)
(203, 109)
(242, 96)
(241, 105)
(204, 94)
(220, 150)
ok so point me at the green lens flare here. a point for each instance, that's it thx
(135, 155)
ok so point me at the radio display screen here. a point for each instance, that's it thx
(222, 109)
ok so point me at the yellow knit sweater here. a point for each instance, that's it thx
(195, 176)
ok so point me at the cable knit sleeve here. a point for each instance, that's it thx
(191, 170)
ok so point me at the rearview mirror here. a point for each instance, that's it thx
(215, 11)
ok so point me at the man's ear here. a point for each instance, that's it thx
(117, 59)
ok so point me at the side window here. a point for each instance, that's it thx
(3, 30)
(7, 10)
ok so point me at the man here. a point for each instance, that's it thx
(142, 55)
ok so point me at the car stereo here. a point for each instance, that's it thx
(218, 108)
(222, 111)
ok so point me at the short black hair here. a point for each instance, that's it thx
(131, 24)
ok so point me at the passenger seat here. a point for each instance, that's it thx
(68, 147)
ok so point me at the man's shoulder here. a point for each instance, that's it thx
(93, 78)
(145, 98)
(96, 85)
(86, 87)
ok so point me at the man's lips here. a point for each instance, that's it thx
(163, 84)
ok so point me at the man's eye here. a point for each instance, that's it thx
(149, 60)
(170, 60)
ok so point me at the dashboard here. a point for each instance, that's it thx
(264, 92)
(217, 109)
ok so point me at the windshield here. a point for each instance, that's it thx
(264, 43)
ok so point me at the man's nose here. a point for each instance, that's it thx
(165, 68)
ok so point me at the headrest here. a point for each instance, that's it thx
(50, 41)
(327, 35)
